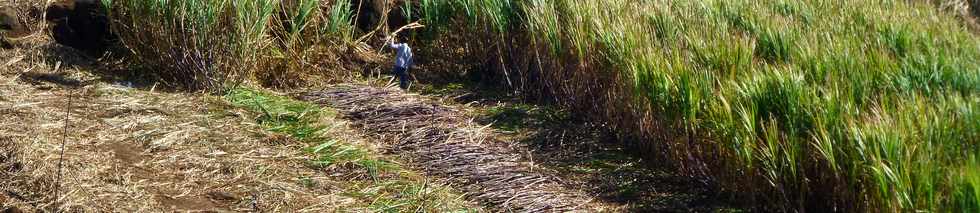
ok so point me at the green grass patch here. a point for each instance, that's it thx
(442, 89)
(774, 46)
(302, 121)
(514, 117)
(281, 114)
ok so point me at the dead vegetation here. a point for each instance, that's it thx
(138, 150)
(131, 147)
(445, 142)
(586, 156)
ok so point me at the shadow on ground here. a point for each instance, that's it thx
(111, 68)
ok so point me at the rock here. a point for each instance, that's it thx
(81, 24)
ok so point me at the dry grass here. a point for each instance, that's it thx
(29, 15)
(137, 150)
(586, 156)
(444, 141)
(134, 149)
(378, 181)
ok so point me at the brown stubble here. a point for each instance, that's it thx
(138, 150)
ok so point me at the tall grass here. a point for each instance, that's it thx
(217, 44)
(195, 43)
(855, 105)
(309, 34)
(339, 21)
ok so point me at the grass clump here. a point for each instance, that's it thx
(774, 46)
(281, 114)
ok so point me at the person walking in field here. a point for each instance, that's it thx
(403, 61)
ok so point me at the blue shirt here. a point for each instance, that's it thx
(404, 55)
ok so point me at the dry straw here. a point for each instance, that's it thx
(446, 142)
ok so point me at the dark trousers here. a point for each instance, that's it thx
(402, 74)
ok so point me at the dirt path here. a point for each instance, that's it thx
(446, 142)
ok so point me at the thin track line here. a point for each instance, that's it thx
(64, 140)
